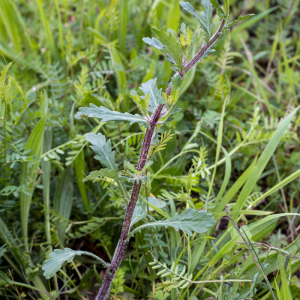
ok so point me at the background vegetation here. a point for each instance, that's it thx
(57, 56)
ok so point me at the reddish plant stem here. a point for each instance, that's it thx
(122, 245)
(206, 47)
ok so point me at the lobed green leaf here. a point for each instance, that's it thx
(105, 115)
(189, 8)
(156, 98)
(57, 259)
(190, 220)
(172, 45)
(141, 102)
(103, 150)
(206, 15)
(59, 256)
(155, 43)
(139, 214)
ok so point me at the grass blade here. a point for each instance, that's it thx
(263, 160)
(123, 24)
(63, 201)
(29, 172)
(48, 33)
(79, 166)
(252, 251)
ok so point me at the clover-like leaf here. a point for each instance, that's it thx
(59, 256)
(105, 114)
(190, 220)
(103, 150)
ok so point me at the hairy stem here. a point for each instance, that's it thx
(206, 47)
(122, 245)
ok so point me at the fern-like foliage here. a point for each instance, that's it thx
(199, 163)
(36, 63)
(176, 275)
(162, 143)
(226, 57)
(210, 75)
(15, 190)
(118, 282)
(12, 243)
(80, 55)
(86, 229)
(248, 204)
(58, 87)
(223, 87)
(80, 85)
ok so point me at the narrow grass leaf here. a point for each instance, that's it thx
(46, 167)
(63, 201)
(263, 160)
(79, 166)
(48, 33)
(29, 172)
(123, 8)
